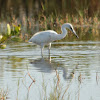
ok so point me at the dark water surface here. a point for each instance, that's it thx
(78, 65)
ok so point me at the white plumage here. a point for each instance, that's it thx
(46, 37)
(43, 37)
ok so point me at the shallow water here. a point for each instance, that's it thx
(77, 64)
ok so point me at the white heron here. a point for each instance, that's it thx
(43, 38)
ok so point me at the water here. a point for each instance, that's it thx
(76, 63)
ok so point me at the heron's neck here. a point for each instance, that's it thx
(64, 33)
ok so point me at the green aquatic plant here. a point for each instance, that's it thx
(12, 34)
(16, 30)
(8, 29)
(2, 46)
(1, 37)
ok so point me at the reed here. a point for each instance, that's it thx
(86, 28)
(3, 94)
(57, 91)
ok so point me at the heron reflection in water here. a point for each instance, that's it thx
(46, 65)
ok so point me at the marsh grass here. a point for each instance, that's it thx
(82, 25)
(36, 16)
(87, 28)
(58, 91)
(3, 94)
(22, 28)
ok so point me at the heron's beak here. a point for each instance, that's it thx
(75, 34)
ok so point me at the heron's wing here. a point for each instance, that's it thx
(43, 37)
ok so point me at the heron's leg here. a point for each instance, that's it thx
(49, 48)
(42, 49)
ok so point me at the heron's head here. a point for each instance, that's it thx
(70, 27)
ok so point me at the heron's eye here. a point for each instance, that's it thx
(71, 28)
